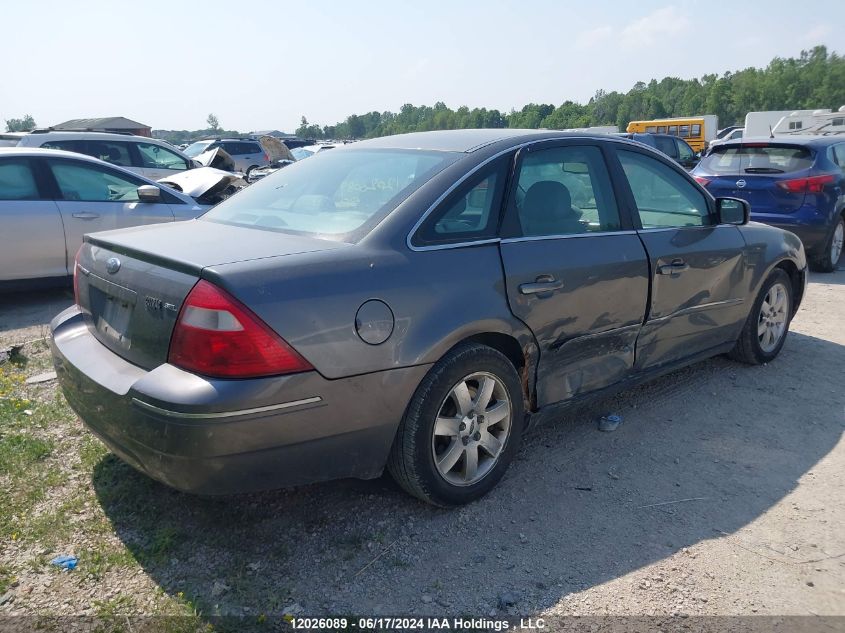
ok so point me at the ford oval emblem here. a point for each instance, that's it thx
(740, 183)
(112, 265)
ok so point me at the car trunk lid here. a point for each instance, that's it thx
(132, 283)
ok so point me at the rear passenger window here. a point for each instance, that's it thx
(471, 213)
(664, 198)
(17, 182)
(666, 145)
(565, 191)
(113, 152)
(68, 146)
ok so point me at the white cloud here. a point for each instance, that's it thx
(663, 23)
(816, 34)
(593, 37)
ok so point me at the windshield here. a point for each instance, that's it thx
(335, 194)
(757, 158)
(195, 149)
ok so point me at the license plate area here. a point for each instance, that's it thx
(111, 310)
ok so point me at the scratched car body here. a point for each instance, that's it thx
(413, 302)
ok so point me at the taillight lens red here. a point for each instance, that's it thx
(702, 180)
(216, 335)
(813, 184)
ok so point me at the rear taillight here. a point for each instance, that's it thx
(76, 277)
(266, 157)
(218, 336)
(702, 181)
(813, 184)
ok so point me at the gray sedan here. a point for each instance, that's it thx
(413, 302)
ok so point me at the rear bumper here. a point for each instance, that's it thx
(213, 436)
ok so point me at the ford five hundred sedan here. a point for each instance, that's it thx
(413, 302)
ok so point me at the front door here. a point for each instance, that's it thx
(575, 272)
(95, 198)
(696, 265)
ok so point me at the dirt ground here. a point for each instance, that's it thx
(722, 492)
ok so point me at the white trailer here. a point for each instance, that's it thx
(764, 123)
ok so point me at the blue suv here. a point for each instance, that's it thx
(796, 183)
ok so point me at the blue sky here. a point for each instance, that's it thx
(262, 64)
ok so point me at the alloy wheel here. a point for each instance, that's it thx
(836, 242)
(771, 323)
(471, 429)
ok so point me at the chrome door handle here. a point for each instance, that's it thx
(543, 284)
(86, 215)
(676, 267)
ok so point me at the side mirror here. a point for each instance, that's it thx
(733, 211)
(149, 193)
(195, 164)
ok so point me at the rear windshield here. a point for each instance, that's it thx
(195, 149)
(757, 159)
(340, 194)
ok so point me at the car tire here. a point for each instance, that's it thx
(443, 452)
(249, 171)
(768, 322)
(828, 261)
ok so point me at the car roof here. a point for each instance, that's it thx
(91, 134)
(793, 139)
(463, 140)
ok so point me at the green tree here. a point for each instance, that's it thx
(26, 124)
(213, 123)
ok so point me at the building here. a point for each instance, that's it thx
(117, 124)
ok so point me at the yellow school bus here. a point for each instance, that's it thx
(697, 130)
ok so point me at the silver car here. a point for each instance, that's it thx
(50, 198)
(148, 157)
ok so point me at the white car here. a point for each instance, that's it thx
(49, 199)
(148, 157)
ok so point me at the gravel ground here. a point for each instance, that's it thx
(721, 493)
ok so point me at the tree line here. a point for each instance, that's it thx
(815, 79)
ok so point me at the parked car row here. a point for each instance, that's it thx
(470, 283)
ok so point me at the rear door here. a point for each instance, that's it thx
(95, 198)
(32, 239)
(576, 273)
(696, 266)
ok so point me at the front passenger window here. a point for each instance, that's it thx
(93, 184)
(664, 198)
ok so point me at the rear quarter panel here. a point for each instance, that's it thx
(437, 298)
